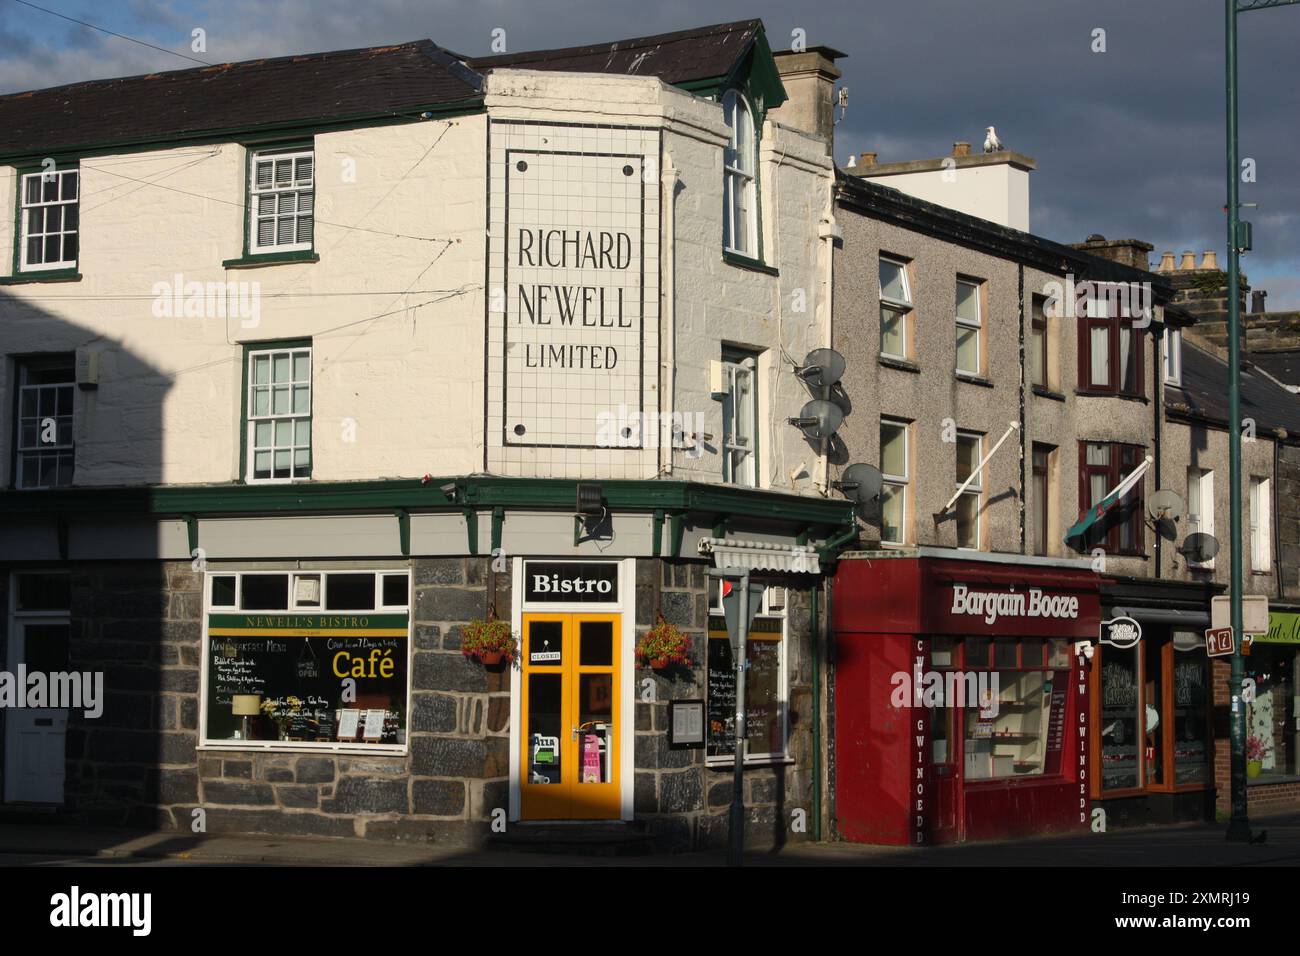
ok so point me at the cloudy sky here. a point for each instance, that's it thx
(1129, 142)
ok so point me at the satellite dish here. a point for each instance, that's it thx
(1198, 547)
(860, 483)
(1164, 508)
(822, 368)
(819, 419)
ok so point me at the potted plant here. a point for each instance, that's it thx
(282, 712)
(488, 642)
(663, 646)
(1256, 751)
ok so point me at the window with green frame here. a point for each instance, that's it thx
(281, 199)
(277, 411)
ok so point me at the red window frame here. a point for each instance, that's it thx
(1112, 324)
(1127, 516)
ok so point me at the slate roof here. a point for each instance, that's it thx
(688, 55)
(404, 78)
(1204, 394)
(1283, 365)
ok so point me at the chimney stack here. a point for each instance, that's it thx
(1257, 301)
(809, 78)
(1166, 262)
(1189, 262)
(961, 149)
(867, 159)
(1209, 259)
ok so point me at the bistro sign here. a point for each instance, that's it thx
(569, 582)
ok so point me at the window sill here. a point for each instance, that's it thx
(903, 365)
(745, 262)
(970, 379)
(1093, 393)
(289, 746)
(726, 763)
(271, 259)
(1045, 392)
(53, 275)
(1262, 574)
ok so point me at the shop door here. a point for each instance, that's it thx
(569, 703)
(946, 757)
(34, 736)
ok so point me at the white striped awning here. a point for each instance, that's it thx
(741, 555)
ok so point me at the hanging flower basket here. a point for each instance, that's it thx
(488, 642)
(664, 646)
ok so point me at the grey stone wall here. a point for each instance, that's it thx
(1287, 496)
(680, 799)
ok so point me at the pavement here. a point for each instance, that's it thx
(1194, 845)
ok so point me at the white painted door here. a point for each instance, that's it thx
(34, 737)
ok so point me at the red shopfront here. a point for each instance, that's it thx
(961, 699)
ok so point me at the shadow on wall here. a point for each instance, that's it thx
(89, 588)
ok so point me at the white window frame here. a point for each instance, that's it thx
(740, 186)
(899, 482)
(252, 419)
(977, 324)
(1261, 524)
(1173, 355)
(21, 451)
(898, 305)
(1200, 481)
(279, 746)
(974, 489)
(764, 611)
(41, 178)
(295, 187)
(731, 413)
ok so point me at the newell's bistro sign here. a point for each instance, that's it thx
(573, 295)
(570, 582)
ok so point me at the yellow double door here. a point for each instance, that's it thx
(570, 708)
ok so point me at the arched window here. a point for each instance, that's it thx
(739, 183)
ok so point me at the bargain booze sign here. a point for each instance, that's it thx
(971, 608)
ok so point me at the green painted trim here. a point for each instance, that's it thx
(676, 528)
(498, 519)
(657, 544)
(50, 275)
(676, 498)
(258, 260)
(296, 129)
(471, 529)
(719, 529)
(744, 262)
(302, 620)
(191, 532)
(706, 87)
(403, 530)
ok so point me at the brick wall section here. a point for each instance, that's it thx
(679, 799)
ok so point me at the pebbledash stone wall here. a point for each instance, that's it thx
(677, 797)
(139, 763)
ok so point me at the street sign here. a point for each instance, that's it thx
(1254, 613)
(1219, 642)
(731, 594)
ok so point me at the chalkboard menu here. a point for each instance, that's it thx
(306, 677)
(763, 717)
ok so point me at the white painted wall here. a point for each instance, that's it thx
(999, 193)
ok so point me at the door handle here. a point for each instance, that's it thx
(575, 731)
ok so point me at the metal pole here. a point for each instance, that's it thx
(1239, 825)
(736, 846)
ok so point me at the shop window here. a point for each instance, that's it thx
(1040, 339)
(278, 418)
(740, 419)
(740, 178)
(1271, 717)
(1110, 350)
(1261, 526)
(1200, 509)
(969, 449)
(1017, 729)
(970, 330)
(895, 308)
(45, 400)
(1043, 468)
(276, 681)
(42, 592)
(765, 687)
(1119, 733)
(894, 468)
(281, 200)
(48, 217)
(1102, 467)
(1191, 716)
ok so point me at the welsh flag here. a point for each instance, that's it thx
(1074, 538)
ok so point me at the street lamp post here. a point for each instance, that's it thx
(1239, 825)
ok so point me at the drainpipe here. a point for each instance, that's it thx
(828, 230)
(817, 718)
(1158, 402)
(668, 300)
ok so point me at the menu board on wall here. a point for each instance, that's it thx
(309, 671)
(763, 716)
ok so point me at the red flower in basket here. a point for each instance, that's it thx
(489, 642)
(664, 646)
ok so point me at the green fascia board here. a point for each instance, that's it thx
(246, 134)
(475, 492)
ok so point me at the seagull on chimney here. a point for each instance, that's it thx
(991, 142)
